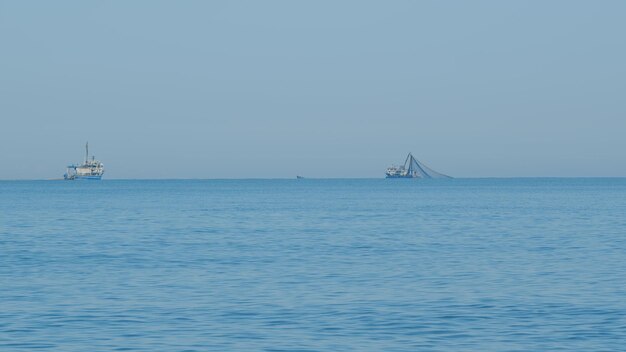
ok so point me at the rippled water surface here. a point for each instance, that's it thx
(313, 265)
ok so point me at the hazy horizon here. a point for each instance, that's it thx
(244, 89)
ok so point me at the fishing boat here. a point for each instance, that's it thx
(89, 170)
(412, 168)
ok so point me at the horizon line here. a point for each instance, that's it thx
(305, 178)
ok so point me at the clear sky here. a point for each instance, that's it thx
(238, 89)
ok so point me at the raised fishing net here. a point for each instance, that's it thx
(418, 169)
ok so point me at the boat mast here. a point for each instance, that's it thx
(86, 152)
(409, 159)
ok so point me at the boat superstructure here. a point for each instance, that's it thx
(89, 170)
(412, 168)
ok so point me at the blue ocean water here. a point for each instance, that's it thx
(313, 265)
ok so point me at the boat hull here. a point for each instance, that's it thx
(90, 177)
(394, 176)
(95, 177)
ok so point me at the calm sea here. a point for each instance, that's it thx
(313, 265)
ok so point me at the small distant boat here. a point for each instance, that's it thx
(412, 168)
(299, 177)
(89, 170)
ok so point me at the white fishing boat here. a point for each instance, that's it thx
(89, 170)
(412, 168)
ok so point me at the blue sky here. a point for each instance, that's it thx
(237, 89)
